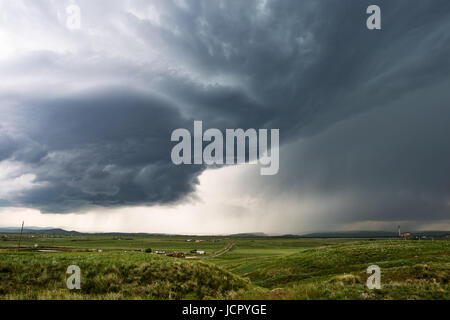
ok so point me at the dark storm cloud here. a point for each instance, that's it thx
(7, 146)
(301, 66)
(104, 148)
(307, 62)
(390, 164)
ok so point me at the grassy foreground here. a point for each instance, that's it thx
(262, 268)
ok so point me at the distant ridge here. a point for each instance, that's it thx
(36, 230)
(343, 234)
(248, 235)
(370, 234)
(39, 231)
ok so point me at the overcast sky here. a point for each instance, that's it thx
(87, 114)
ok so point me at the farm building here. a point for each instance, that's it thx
(407, 235)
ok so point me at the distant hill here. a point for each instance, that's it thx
(39, 231)
(351, 234)
(248, 235)
(344, 234)
(370, 234)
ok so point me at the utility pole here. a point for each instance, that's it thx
(20, 238)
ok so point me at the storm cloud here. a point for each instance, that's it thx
(87, 114)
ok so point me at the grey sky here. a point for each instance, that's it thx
(87, 114)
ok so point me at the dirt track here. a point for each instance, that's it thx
(226, 249)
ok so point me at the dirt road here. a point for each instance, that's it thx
(226, 249)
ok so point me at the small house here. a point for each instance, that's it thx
(407, 235)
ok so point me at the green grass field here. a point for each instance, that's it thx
(254, 268)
